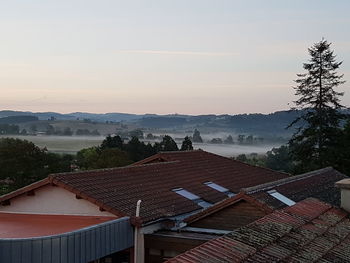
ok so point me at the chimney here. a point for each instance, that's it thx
(344, 186)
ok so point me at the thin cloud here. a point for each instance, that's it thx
(185, 53)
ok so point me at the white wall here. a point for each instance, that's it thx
(52, 200)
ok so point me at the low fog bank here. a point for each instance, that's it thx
(73, 144)
(232, 150)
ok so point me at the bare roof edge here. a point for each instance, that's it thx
(25, 189)
(262, 187)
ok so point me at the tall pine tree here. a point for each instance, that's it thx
(313, 145)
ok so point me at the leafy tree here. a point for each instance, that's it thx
(249, 139)
(136, 150)
(86, 158)
(197, 136)
(24, 132)
(136, 133)
(168, 144)
(229, 140)
(150, 136)
(112, 142)
(186, 144)
(313, 144)
(242, 158)
(216, 141)
(22, 163)
(279, 159)
(241, 138)
(112, 158)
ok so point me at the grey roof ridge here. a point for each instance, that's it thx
(269, 185)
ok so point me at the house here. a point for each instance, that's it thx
(98, 208)
(100, 205)
(308, 231)
(249, 205)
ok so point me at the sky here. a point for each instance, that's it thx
(166, 56)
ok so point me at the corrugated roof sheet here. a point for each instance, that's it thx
(310, 231)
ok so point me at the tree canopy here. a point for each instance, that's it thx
(313, 144)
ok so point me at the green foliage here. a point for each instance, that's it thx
(138, 150)
(136, 133)
(186, 144)
(22, 163)
(229, 140)
(279, 159)
(168, 144)
(96, 158)
(241, 138)
(216, 141)
(112, 142)
(9, 129)
(150, 136)
(314, 143)
(197, 136)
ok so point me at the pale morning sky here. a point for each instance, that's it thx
(179, 56)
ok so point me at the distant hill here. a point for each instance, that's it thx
(17, 119)
(267, 125)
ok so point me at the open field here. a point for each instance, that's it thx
(72, 144)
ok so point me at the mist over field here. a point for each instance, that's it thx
(73, 144)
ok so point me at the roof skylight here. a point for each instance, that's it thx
(192, 197)
(281, 197)
(219, 188)
(186, 194)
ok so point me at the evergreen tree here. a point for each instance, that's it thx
(168, 144)
(186, 144)
(313, 144)
(112, 142)
(197, 136)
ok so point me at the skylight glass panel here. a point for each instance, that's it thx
(186, 194)
(217, 187)
(281, 197)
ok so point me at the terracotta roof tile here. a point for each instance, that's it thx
(120, 188)
(310, 231)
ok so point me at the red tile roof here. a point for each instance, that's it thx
(310, 231)
(296, 188)
(120, 188)
(33, 225)
(117, 190)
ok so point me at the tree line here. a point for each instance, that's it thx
(22, 162)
